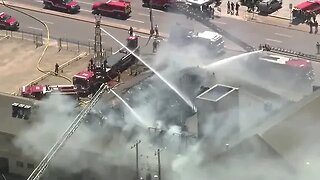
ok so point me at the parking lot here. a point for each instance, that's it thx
(19, 61)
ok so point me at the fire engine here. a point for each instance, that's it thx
(181, 36)
(100, 71)
(286, 67)
(70, 6)
(161, 4)
(8, 22)
(118, 9)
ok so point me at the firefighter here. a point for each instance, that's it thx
(232, 8)
(155, 45)
(56, 69)
(156, 30)
(131, 31)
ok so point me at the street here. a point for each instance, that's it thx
(248, 32)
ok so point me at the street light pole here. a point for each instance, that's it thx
(136, 146)
(159, 163)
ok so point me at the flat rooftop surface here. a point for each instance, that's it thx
(19, 59)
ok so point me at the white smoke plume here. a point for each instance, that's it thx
(104, 148)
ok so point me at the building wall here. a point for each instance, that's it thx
(214, 117)
(17, 163)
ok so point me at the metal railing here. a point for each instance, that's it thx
(64, 43)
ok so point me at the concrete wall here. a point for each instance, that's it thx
(14, 156)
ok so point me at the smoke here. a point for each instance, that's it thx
(103, 144)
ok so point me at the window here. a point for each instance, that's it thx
(19, 164)
(30, 166)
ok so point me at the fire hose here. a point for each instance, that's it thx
(46, 45)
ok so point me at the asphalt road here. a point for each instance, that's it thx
(249, 32)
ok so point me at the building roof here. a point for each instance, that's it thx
(8, 124)
(216, 92)
(298, 131)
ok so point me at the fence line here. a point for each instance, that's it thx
(61, 43)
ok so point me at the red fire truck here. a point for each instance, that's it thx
(8, 22)
(88, 82)
(70, 6)
(118, 9)
(285, 67)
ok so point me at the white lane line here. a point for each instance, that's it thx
(85, 10)
(38, 1)
(47, 22)
(283, 35)
(142, 14)
(134, 20)
(82, 2)
(157, 10)
(219, 22)
(273, 40)
(39, 29)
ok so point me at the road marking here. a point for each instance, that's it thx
(284, 35)
(47, 22)
(85, 10)
(38, 1)
(82, 2)
(157, 10)
(273, 40)
(142, 14)
(39, 29)
(219, 22)
(134, 20)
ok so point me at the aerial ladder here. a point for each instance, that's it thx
(43, 165)
(88, 106)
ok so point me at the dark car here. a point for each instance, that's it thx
(8, 22)
(269, 6)
(69, 6)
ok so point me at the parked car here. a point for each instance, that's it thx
(118, 9)
(269, 6)
(70, 6)
(8, 22)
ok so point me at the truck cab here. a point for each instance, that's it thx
(8, 22)
(212, 40)
(118, 9)
(70, 6)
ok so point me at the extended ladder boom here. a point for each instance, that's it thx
(38, 171)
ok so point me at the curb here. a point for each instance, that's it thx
(79, 18)
(279, 17)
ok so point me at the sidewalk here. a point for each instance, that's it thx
(280, 18)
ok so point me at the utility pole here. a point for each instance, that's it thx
(136, 146)
(157, 153)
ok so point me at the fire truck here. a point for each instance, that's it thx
(8, 22)
(285, 67)
(100, 71)
(118, 9)
(70, 6)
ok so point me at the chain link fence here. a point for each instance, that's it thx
(61, 43)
